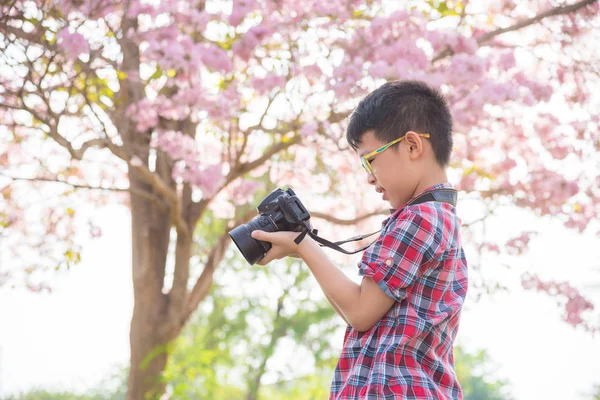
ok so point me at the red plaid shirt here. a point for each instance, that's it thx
(419, 262)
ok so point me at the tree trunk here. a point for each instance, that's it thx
(148, 339)
(148, 356)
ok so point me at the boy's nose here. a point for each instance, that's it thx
(371, 179)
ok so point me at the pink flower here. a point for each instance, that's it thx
(309, 128)
(466, 69)
(215, 58)
(144, 114)
(380, 69)
(575, 303)
(72, 44)
(209, 180)
(244, 48)
(178, 146)
(507, 60)
(518, 245)
(241, 8)
(244, 191)
(265, 85)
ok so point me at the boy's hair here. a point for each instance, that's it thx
(397, 107)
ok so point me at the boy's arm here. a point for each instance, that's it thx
(336, 308)
(361, 305)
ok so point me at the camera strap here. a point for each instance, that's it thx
(442, 195)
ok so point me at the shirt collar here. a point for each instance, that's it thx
(395, 211)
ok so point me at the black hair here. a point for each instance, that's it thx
(397, 107)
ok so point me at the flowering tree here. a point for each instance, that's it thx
(188, 111)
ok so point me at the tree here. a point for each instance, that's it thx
(476, 379)
(185, 110)
(239, 332)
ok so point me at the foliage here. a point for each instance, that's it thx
(476, 376)
(239, 330)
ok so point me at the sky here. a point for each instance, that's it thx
(79, 334)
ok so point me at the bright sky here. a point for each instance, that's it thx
(80, 333)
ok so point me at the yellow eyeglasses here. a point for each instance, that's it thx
(366, 159)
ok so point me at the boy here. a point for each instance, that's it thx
(403, 317)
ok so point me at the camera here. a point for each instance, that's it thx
(279, 211)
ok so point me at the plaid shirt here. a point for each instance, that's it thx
(419, 262)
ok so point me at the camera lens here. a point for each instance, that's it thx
(253, 250)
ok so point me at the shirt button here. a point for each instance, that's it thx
(388, 262)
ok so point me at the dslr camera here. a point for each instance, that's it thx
(279, 211)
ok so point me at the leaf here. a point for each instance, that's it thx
(121, 74)
(157, 74)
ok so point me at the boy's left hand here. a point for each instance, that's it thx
(283, 245)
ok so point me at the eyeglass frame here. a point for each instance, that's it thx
(367, 158)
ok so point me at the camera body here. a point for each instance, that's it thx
(279, 211)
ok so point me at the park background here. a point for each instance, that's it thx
(135, 135)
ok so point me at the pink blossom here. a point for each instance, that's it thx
(171, 108)
(507, 60)
(575, 304)
(518, 245)
(380, 69)
(136, 7)
(245, 190)
(336, 9)
(539, 91)
(241, 8)
(466, 69)
(178, 146)
(72, 43)
(546, 191)
(265, 85)
(209, 180)
(491, 247)
(91, 9)
(347, 76)
(436, 39)
(144, 114)
(215, 57)
(309, 128)
(199, 19)
(244, 48)
(460, 43)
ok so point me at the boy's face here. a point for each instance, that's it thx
(394, 174)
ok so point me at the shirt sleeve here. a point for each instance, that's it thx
(394, 261)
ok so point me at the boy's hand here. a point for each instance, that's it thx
(283, 245)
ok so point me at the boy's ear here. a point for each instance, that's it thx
(414, 143)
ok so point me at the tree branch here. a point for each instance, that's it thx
(204, 282)
(270, 152)
(33, 37)
(199, 208)
(80, 186)
(522, 24)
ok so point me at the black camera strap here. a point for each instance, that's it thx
(442, 195)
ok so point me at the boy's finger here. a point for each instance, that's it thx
(265, 260)
(261, 235)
